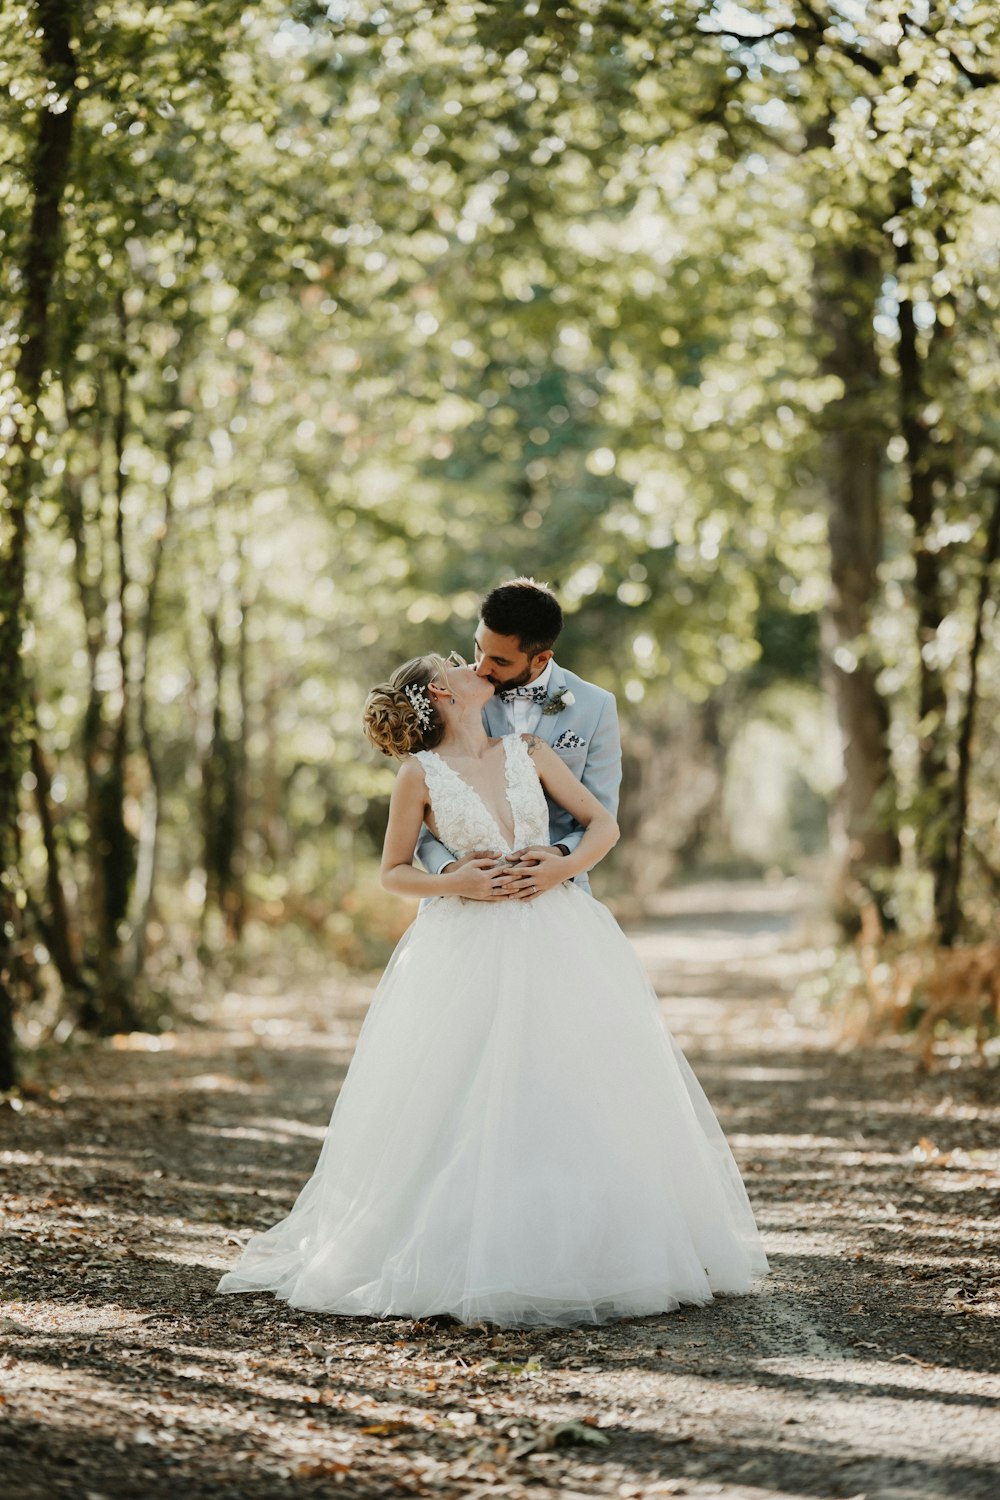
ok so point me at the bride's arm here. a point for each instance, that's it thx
(600, 828)
(398, 874)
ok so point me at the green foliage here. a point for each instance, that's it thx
(361, 308)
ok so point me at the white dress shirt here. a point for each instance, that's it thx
(523, 715)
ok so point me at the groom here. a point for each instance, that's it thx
(519, 623)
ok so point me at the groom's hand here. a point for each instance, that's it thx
(535, 870)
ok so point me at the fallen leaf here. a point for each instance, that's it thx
(559, 1434)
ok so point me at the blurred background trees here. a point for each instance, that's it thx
(318, 320)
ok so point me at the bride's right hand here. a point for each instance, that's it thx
(480, 876)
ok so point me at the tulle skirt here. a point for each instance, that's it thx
(519, 1139)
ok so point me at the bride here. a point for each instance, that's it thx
(518, 1140)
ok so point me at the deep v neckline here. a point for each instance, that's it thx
(510, 842)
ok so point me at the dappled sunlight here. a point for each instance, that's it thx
(875, 1331)
(319, 321)
(841, 1379)
(764, 1074)
(271, 1130)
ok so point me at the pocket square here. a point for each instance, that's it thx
(568, 741)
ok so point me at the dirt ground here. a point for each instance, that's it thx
(868, 1365)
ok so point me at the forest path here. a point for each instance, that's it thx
(866, 1366)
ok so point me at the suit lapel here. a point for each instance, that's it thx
(548, 724)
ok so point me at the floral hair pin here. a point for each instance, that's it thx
(420, 703)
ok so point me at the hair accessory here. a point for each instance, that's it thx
(420, 704)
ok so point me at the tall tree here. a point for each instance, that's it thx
(56, 103)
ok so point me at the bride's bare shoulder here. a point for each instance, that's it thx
(410, 789)
(411, 772)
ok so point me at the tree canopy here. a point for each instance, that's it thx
(318, 320)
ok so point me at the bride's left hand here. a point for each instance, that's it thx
(535, 871)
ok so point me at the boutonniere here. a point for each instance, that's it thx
(558, 701)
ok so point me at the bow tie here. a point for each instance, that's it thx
(533, 694)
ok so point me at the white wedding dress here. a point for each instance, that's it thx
(518, 1139)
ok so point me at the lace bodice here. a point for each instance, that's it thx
(465, 822)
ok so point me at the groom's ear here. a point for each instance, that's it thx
(540, 661)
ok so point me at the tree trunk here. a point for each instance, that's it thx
(143, 891)
(235, 897)
(272, 827)
(927, 472)
(105, 745)
(211, 765)
(104, 739)
(55, 24)
(111, 857)
(62, 942)
(848, 281)
(949, 913)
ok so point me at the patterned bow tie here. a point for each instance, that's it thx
(533, 694)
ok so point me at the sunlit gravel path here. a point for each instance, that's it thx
(867, 1365)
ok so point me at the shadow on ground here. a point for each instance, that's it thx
(867, 1363)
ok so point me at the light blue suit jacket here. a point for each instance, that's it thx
(584, 735)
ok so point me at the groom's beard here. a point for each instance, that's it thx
(512, 682)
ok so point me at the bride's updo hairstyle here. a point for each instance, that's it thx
(400, 716)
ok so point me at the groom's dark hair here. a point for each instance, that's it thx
(525, 609)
